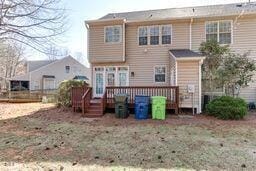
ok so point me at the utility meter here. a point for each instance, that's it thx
(191, 88)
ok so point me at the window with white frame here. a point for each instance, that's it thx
(221, 31)
(154, 35)
(143, 36)
(166, 34)
(160, 73)
(67, 69)
(113, 34)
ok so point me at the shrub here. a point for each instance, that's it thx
(64, 91)
(227, 107)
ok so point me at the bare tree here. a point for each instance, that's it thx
(11, 56)
(57, 52)
(34, 23)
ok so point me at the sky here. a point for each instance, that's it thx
(75, 39)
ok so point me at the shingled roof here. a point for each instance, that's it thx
(33, 65)
(184, 53)
(187, 12)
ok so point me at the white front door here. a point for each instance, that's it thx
(99, 82)
(123, 79)
(109, 76)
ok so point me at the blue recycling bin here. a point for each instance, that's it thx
(142, 104)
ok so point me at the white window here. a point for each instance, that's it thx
(113, 34)
(143, 36)
(166, 34)
(67, 68)
(160, 74)
(36, 85)
(220, 31)
(49, 83)
(154, 35)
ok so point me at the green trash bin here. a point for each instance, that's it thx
(121, 106)
(158, 107)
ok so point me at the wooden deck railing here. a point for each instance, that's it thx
(76, 96)
(86, 100)
(171, 92)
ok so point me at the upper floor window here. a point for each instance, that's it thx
(143, 36)
(113, 34)
(221, 31)
(166, 34)
(160, 72)
(67, 68)
(154, 35)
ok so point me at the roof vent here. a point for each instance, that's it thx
(239, 5)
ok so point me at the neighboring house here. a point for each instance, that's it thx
(160, 47)
(48, 74)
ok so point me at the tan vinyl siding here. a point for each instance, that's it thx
(188, 73)
(143, 59)
(244, 40)
(99, 51)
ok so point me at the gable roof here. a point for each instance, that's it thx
(187, 12)
(44, 65)
(33, 65)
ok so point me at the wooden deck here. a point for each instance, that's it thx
(88, 105)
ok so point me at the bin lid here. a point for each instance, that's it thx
(120, 97)
(159, 97)
(141, 96)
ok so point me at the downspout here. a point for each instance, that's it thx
(88, 33)
(190, 34)
(124, 32)
(200, 87)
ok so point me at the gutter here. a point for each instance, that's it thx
(124, 41)
(190, 33)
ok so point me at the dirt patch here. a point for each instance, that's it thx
(55, 139)
(11, 110)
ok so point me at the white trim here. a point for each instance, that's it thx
(138, 36)
(120, 36)
(200, 87)
(94, 78)
(165, 75)
(161, 28)
(105, 74)
(148, 35)
(218, 31)
(189, 58)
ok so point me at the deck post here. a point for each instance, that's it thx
(177, 100)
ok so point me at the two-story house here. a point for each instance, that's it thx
(160, 47)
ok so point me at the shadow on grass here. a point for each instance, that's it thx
(58, 136)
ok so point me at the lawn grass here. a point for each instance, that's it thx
(56, 139)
